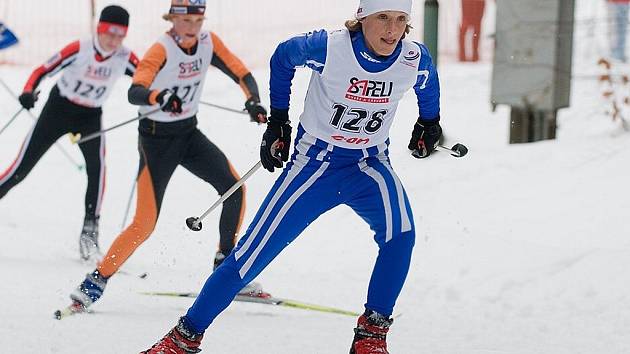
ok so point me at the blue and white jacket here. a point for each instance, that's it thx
(310, 50)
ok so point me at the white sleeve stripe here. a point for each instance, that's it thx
(314, 63)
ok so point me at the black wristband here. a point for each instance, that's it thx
(428, 122)
(139, 95)
(253, 99)
(279, 115)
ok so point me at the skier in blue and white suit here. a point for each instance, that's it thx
(340, 157)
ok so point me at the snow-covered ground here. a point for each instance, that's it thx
(521, 249)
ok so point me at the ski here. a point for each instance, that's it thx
(266, 299)
(73, 309)
(142, 275)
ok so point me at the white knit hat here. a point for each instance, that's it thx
(369, 7)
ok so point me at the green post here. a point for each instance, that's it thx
(431, 11)
(93, 17)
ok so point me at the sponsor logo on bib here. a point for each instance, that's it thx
(98, 72)
(410, 58)
(190, 69)
(369, 91)
(412, 55)
(351, 140)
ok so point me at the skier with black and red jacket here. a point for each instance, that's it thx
(90, 68)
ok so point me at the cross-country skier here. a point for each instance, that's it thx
(171, 75)
(341, 157)
(7, 38)
(90, 68)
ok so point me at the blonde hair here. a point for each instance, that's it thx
(169, 17)
(356, 26)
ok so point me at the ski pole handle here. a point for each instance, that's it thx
(36, 94)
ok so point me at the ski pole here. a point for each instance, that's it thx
(458, 150)
(241, 111)
(133, 189)
(77, 139)
(194, 223)
(11, 120)
(16, 113)
(63, 151)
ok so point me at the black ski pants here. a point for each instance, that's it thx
(163, 147)
(58, 118)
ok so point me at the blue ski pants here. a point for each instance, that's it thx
(319, 177)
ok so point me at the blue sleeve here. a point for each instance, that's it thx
(309, 50)
(427, 86)
(7, 38)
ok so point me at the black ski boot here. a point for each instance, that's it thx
(88, 241)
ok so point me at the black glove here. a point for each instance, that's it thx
(257, 113)
(276, 140)
(169, 101)
(425, 137)
(28, 99)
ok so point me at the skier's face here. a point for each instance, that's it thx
(187, 28)
(383, 30)
(110, 41)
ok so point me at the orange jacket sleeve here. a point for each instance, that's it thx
(233, 67)
(152, 62)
